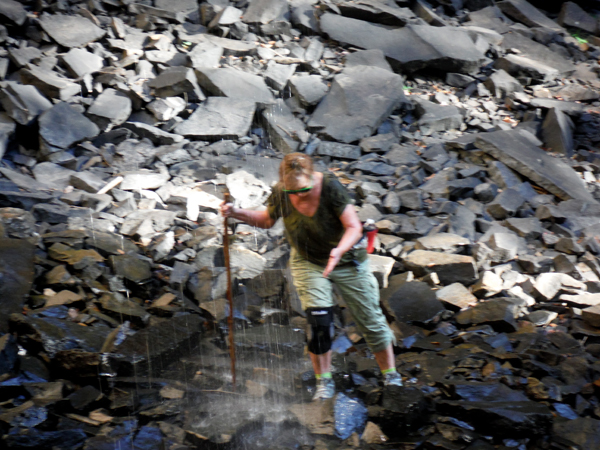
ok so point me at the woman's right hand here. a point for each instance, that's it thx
(227, 209)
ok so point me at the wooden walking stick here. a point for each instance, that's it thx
(229, 291)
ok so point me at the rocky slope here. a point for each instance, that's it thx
(468, 130)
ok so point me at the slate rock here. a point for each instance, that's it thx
(71, 31)
(458, 80)
(219, 118)
(174, 81)
(13, 11)
(501, 84)
(285, 131)
(122, 309)
(35, 438)
(411, 48)
(49, 83)
(373, 58)
(525, 12)
(131, 268)
(153, 348)
(265, 11)
(155, 134)
(518, 153)
(401, 409)
(308, 89)
(359, 100)
(486, 192)
(557, 131)
(411, 199)
(54, 175)
(528, 228)
(234, 84)
(506, 204)
(378, 143)
(442, 242)
(337, 150)
(572, 15)
(498, 313)
(7, 128)
(23, 103)
(449, 268)
(277, 75)
(16, 273)
(455, 297)
(206, 54)
(111, 108)
(582, 432)
(80, 62)
(411, 302)
(62, 126)
(434, 117)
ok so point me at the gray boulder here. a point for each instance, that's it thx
(434, 117)
(110, 108)
(572, 15)
(557, 131)
(71, 31)
(62, 126)
(524, 12)
(23, 103)
(80, 62)
(13, 11)
(359, 100)
(235, 84)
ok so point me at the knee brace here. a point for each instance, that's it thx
(320, 331)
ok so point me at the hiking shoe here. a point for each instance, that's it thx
(325, 389)
(392, 379)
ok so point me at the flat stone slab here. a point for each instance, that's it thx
(62, 126)
(81, 62)
(450, 268)
(23, 102)
(455, 296)
(17, 269)
(71, 31)
(524, 12)
(410, 48)
(49, 83)
(518, 153)
(234, 84)
(13, 11)
(219, 118)
(112, 107)
(359, 100)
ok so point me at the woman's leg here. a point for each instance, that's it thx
(321, 363)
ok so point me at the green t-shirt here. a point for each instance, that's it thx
(314, 237)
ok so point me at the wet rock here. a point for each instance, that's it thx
(33, 438)
(357, 103)
(434, 117)
(62, 126)
(350, 416)
(219, 118)
(401, 409)
(110, 108)
(16, 274)
(130, 267)
(234, 84)
(413, 47)
(23, 103)
(498, 313)
(582, 432)
(411, 302)
(336, 150)
(17, 223)
(286, 131)
(557, 131)
(518, 153)
(153, 348)
(501, 418)
(449, 268)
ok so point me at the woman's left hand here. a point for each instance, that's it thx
(334, 257)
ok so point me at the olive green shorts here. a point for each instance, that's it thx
(358, 287)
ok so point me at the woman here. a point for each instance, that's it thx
(322, 228)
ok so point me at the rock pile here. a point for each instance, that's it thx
(468, 131)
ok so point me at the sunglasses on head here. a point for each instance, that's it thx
(297, 191)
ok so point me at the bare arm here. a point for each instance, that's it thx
(353, 232)
(260, 219)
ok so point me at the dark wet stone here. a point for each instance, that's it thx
(76, 258)
(484, 392)
(16, 276)
(37, 439)
(557, 132)
(123, 309)
(525, 12)
(51, 335)
(583, 432)
(152, 349)
(401, 409)
(86, 399)
(77, 364)
(130, 267)
(276, 339)
(496, 312)
(8, 353)
(350, 416)
(286, 132)
(71, 31)
(411, 302)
